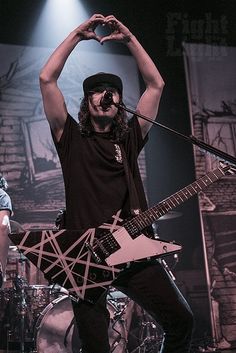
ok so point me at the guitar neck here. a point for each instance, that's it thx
(143, 220)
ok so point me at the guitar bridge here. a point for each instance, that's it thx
(93, 253)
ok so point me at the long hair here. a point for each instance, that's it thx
(119, 127)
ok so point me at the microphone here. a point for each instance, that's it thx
(107, 100)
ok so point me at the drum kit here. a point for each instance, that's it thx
(20, 306)
(38, 318)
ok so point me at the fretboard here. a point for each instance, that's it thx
(143, 220)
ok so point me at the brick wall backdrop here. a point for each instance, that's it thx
(212, 109)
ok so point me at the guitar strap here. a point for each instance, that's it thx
(133, 195)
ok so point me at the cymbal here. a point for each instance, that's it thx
(170, 215)
(16, 227)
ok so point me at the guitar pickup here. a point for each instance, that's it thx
(93, 253)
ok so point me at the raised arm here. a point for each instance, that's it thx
(149, 101)
(53, 100)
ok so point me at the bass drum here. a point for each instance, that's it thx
(56, 332)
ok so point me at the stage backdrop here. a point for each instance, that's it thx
(28, 159)
(211, 82)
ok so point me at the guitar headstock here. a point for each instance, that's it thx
(229, 169)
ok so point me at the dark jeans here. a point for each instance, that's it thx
(150, 286)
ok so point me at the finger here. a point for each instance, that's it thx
(98, 16)
(97, 19)
(111, 37)
(93, 35)
(111, 18)
(98, 38)
(106, 39)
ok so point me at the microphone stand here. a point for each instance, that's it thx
(203, 145)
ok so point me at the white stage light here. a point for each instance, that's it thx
(58, 18)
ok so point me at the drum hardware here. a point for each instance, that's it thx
(23, 312)
(123, 313)
(119, 312)
(19, 283)
(4, 319)
(1, 275)
(149, 338)
(18, 332)
(14, 323)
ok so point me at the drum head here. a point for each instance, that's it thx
(56, 332)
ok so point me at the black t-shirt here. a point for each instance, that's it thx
(94, 176)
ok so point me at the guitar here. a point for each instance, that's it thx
(87, 262)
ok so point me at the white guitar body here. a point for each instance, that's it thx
(139, 248)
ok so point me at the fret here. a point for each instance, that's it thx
(198, 186)
(132, 227)
(206, 181)
(175, 199)
(212, 179)
(184, 195)
(165, 207)
(153, 213)
(178, 197)
(169, 205)
(149, 217)
(144, 220)
(157, 212)
(191, 186)
(202, 183)
(187, 192)
(161, 211)
(215, 173)
(139, 223)
(173, 204)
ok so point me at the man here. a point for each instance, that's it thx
(5, 212)
(93, 156)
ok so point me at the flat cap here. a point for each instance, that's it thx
(100, 79)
